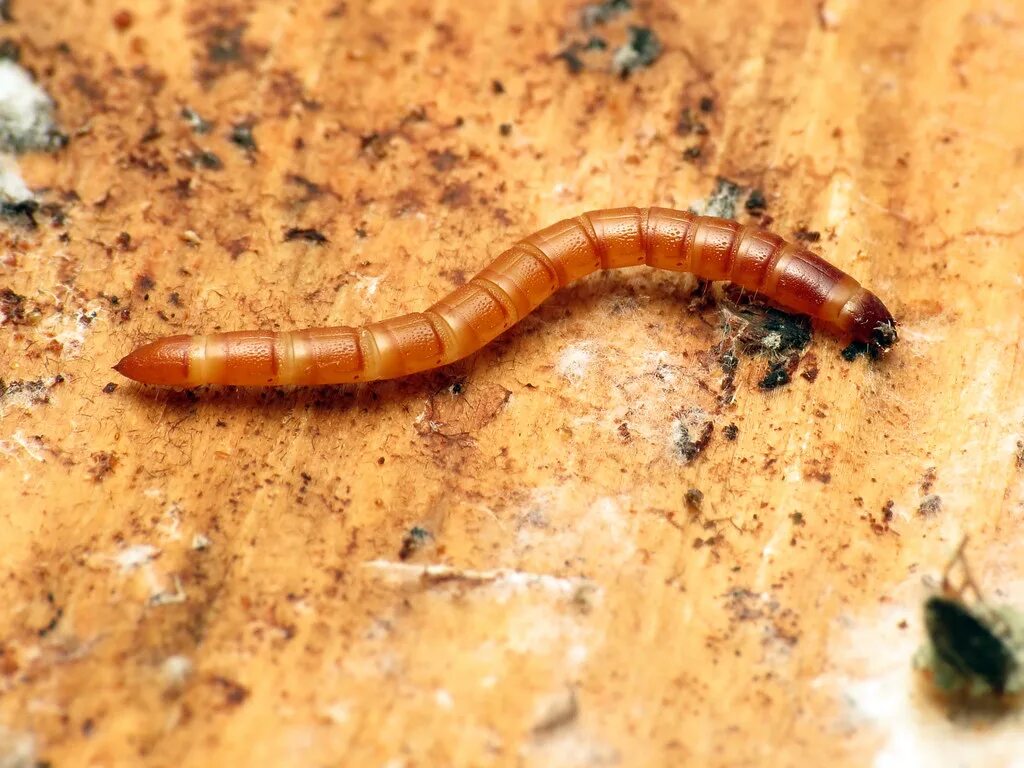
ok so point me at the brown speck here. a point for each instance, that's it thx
(457, 195)
(928, 480)
(887, 511)
(505, 129)
(123, 20)
(443, 161)
(810, 367)
(807, 235)
(406, 202)
(144, 283)
(103, 464)
(234, 693)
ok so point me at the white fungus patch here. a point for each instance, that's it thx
(26, 112)
(505, 581)
(135, 556)
(22, 444)
(555, 521)
(70, 332)
(443, 699)
(574, 361)
(13, 188)
(338, 713)
(170, 526)
(17, 749)
(176, 670)
(367, 287)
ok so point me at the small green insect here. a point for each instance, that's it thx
(973, 649)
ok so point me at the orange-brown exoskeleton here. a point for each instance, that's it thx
(513, 285)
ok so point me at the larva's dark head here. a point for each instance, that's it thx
(867, 320)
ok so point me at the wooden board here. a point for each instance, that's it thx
(237, 577)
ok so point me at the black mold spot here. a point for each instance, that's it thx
(224, 44)
(930, 506)
(10, 50)
(730, 432)
(603, 12)
(414, 540)
(722, 200)
(688, 123)
(772, 332)
(777, 376)
(195, 121)
(694, 430)
(241, 135)
(641, 50)
(23, 211)
(571, 58)
(207, 159)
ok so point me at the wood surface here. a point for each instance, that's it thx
(496, 564)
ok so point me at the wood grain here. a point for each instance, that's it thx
(215, 577)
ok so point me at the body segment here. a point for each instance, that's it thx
(511, 287)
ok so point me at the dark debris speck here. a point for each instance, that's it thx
(195, 121)
(413, 541)
(777, 376)
(241, 135)
(307, 234)
(756, 203)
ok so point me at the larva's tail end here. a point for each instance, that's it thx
(867, 320)
(164, 361)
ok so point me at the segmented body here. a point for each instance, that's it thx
(512, 286)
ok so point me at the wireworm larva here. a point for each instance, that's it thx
(512, 286)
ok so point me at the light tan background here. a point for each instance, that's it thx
(215, 578)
